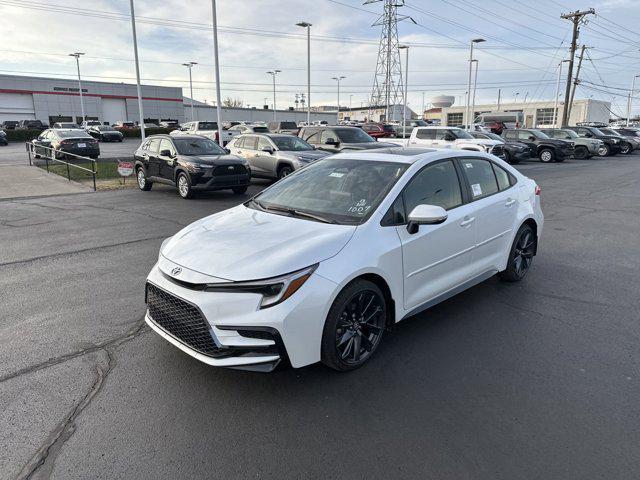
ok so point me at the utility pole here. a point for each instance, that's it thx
(214, 14)
(630, 99)
(576, 18)
(273, 73)
(308, 26)
(137, 62)
(406, 83)
(499, 92)
(190, 66)
(576, 81)
(555, 107)
(338, 110)
(473, 98)
(467, 120)
(77, 55)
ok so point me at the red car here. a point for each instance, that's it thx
(379, 130)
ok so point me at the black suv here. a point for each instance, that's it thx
(191, 163)
(612, 143)
(514, 151)
(283, 127)
(540, 145)
(337, 139)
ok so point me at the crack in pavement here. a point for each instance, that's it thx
(42, 462)
(130, 334)
(82, 250)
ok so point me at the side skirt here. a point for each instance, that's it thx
(450, 293)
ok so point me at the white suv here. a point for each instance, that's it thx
(451, 137)
(317, 266)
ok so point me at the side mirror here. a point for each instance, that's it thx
(588, 135)
(268, 150)
(331, 141)
(449, 138)
(165, 153)
(532, 138)
(425, 215)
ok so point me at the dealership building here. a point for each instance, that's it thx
(58, 100)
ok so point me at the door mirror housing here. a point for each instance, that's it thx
(331, 141)
(449, 138)
(588, 135)
(425, 215)
(166, 153)
(269, 150)
(532, 138)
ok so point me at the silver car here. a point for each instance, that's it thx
(274, 155)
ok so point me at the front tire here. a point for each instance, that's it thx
(184, 185)
(625, 149)
(581, 153)
(547, 155)
(521, 255)
(141, 177)
(604, 150)
(284, 171)
(354, 327)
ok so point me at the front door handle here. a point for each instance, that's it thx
(510, 202)
(467, 221)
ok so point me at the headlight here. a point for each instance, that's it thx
(273, 290)
(193, 166)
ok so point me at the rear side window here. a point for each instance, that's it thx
(426, 133)
(523, 135)
(239, 143)
(154, 144)
(251, 143)
(311, 137)
(480, 176)
(436, 184)
(510, 135)
(502, 176)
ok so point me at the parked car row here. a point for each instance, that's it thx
(58, 142)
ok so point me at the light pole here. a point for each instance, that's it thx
(307, 26)
(338, 111)
(406, 85)
(515, 98)
(273, 73)
(137, 62)
(630, 100)
(555, 105)
(473, 98)
(525, 97)
(77, 55)
(473, 41)
(189, 66)
(217, 69)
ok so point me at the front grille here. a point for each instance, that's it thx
(229, 170)
(182, 321)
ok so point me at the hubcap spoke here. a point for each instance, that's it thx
(359, 327)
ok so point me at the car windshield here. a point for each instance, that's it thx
(197, 146)
(260, 129)
(571, 133)
(289, 143)
(72, 133)
(608, 131)
(539, 134)
(332, 190)
(459, 133)
(353, 135)
(493, 136)
(207, 126)
(291, 125)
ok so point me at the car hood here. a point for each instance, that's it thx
(367, 145)
(245, 244)
(213, 159)
(306, 154)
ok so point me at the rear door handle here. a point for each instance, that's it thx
(510, 202)
(467, 221)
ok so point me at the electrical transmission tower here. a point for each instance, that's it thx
(387, 82)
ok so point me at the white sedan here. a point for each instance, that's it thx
(316, 267)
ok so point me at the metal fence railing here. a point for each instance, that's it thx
(50, 155)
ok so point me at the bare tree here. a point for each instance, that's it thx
(232, 102)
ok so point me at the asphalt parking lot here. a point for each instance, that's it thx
(505, 381)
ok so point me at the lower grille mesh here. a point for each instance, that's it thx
(181, 320)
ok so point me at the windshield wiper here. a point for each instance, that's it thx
(294, 213)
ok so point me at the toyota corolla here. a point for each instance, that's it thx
(319, 265)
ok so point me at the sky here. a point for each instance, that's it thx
(525, 40)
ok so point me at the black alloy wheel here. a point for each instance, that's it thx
(521, 255)
(355, 326)
(284, 171)
(625, 148)
(581, 153)
(604, 150)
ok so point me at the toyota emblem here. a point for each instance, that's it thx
(230, 167)
(176, 271)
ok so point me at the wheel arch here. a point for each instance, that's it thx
(284, 163)
(382, 284)
(531, 222)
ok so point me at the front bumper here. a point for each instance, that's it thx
(524, 155)
(245, 336)
(211, 180)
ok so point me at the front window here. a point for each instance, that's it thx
(538, 134)
(334, 190)
(353, 135)
(608, 131)
(493, 136)
(459, 133)
(291, 144)
(197, 146)
(567, 134)
(207, 126)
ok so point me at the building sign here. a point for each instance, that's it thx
(70, 89)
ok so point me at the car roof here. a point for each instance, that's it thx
(408, 155)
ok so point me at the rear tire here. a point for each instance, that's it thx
(354, 327)
(604, 151)
(141, 177)
(520, 255)
(625, 149)
(239, 190)
(546, 155)
(184, 185)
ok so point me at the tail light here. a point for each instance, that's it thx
(66, 142)
(538, 190)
